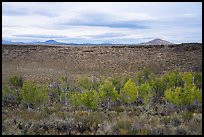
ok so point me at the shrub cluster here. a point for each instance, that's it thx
(180, 88)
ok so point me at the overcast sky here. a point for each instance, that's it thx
(102, 22)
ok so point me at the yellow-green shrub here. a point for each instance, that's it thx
(107, 92)
(146, 92)
(184, 96)
(129, 92)
(90, 99)
(34, 94)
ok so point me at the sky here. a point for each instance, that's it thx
(102, 22)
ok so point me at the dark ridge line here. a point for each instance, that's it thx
(106, 46)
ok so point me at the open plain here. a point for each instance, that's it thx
(49, 63)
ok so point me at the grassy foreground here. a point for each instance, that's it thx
(141, 104)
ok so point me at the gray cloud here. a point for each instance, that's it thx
(105, 23)
(106, 35)
(15, 11)
(10, 26)
(103, 20)
(38, 36)
(45, 13)
(24, 11)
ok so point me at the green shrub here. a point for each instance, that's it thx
(158, 86)
(5, 92)
(188, 78)
(117, 84)
(34, 94)
(107, 92)
(9, 93)
(87, 83)
(59, 93)
(142, 76)
(16, 81)
(75, 98)
(129, 92)
(41, 96)
(184, 96)
(193, 93)
(198, 79)
(175, 95)
(28, 92)
(171, 79)
(182, 88)
(90, 99)
(146, 92)
(56, 94)
(198, 95)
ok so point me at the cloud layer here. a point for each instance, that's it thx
(96, 22)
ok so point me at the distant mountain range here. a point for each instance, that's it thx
(53, 42)
(10, 42)
(156, 42)
(48, 42)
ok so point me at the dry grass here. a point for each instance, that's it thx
(100, 123)
(48, 64)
